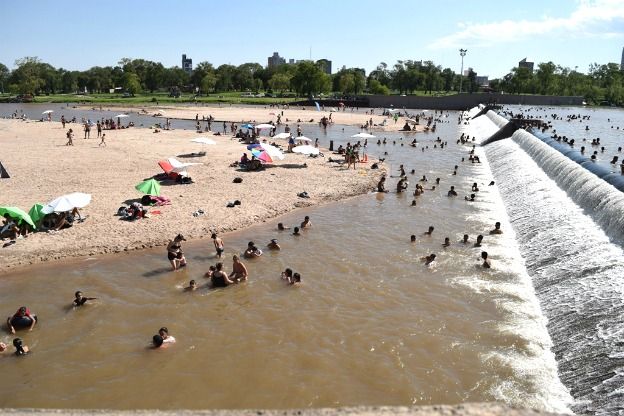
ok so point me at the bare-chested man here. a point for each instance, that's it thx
(239, 271)
(218, 243)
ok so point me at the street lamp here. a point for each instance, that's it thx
(462, 52)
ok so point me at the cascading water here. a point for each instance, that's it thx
(577, 271)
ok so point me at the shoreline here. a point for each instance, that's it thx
(261, 114)
(110, 174)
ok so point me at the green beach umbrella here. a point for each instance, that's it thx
(17, 214)
(149, 187)
(35, 212)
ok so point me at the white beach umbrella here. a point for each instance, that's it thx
(180, 167)
(392, 110)
(122, 115)
(203, 140)
(282, 136)
(411, 121)
(67, 203)
(303, 139)
(48, 112)
(306, 150)
(273, 151)
(364, 136)
(264, 126)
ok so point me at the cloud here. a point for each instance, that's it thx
(598, 18)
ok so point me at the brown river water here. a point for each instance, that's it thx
(370, 325)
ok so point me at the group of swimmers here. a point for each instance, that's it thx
(23, 318)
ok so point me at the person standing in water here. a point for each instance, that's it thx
(20, 348)
(174, 252)
(218, 243)
(486, 263)
(497, 229)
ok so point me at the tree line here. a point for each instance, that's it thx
(307, 78)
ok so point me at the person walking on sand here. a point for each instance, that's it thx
(99, 128)
(218, 243)
(103, 140)
(70, 135)
(87, 130)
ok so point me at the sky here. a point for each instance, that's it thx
(79, 34)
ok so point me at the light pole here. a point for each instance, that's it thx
(462, 52)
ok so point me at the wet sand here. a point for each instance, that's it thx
(42, 168)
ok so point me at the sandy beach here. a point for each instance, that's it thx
(258, 114)
(43, 168)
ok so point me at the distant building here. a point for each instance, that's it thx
(525, 64)
(291, 61)
(622, 62)
(326, 65)
(275, 60)
(482, 81)
(187, 64)
(468, 71)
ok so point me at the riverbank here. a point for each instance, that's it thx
(469, 409)
(42, 168)
(262, 114)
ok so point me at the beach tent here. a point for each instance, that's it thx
(3, 173)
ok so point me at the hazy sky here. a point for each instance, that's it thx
(79, 34)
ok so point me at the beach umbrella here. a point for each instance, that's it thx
(247, 126)
(36, 213)
(282, 136)
(262, 155)
(364, 136)
(411, 121)
(180, 167)
(48, 112)
(273, 151)
(122, 115)
(303, 139)
(203, 140)
(334, 109)
(17, 214)
(318, 107)
(306, 150)
(149, 187)
(67, 203)
(264, 126)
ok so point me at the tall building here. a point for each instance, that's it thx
(275, 60)
(525, 64)
(187, 64)
(326, 65)
(622, 62)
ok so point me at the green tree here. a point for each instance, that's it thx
(208, 83)
(376, 87)
(4, 77)
(132, 83)
(309, 79)
(279, 82)
(27, 76)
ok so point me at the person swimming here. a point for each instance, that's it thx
(486, 263)
(429, 260)
(479, 240)
(401, 185)
(296, 279)
(273, 245)
(210, 271)
(191, 287)
(306, 223)
(252, 251)
(471, 199)
(164, 334)
(452, 192)
(157, 341)
(296, 231)
(80, 299)
(413, 238)
(465, 240)
(239, 271)
(430, 230)
(21, 319)
(497, 229)
(287, 274)
(447, 242)
(475, 188)
(413, 202)
(20, 348)
(281, 227)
